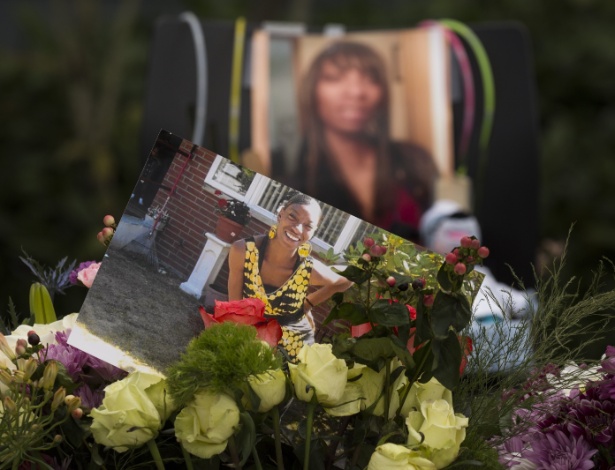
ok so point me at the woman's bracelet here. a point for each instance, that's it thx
(309, 303)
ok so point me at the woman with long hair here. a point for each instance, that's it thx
(278, 269)
(347, 158)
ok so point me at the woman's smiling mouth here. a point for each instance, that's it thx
(291, 236)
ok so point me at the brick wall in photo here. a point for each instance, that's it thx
(191, 208)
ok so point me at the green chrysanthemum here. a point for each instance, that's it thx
(220, 360)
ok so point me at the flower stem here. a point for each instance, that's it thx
(387, 389)
(187, 458)
(234, 455)
(257, 460)
(275, 415)
(153, 449)
(308, 432)
(416, 376)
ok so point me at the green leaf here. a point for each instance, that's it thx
(355, 274)
(423, 324)
(447, 359)
(356, 314)
(423, 358)
(401, 350)
(372, 352)
(450, 310)
(443, 278)
(40, 304)
(389, 314)
(246, 438)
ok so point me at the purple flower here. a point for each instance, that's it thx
(511, 450)
(608, 363)
(557, 451)
(72, 358)
(90, 398)
(81, 366)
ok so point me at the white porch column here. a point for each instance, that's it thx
(207, 267)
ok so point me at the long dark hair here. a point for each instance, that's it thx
(318, 169)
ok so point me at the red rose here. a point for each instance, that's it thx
(247, 312)
(222, 203)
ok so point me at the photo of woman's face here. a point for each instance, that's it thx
(346, 99)
(297, 223)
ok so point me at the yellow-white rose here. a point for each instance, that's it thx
(319, 370)
(132, 411)
(419, 392)
(437, 427)
(270, 387)
(204, 426)
(353, 399)
(394, 456)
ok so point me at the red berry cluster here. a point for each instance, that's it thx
(372, 250)
(463, 258)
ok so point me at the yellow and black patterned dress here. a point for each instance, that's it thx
(285, 302)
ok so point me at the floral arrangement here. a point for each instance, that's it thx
(232, 209)
(387, 387)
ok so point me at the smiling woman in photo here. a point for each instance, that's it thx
(348, 159)
(278, 269)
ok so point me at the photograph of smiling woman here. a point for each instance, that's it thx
(277, 268)
(348, 158)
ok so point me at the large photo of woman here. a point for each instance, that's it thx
(373, 123)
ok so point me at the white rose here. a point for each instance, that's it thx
(132, 411)
(419, 392)
(394, 456)
(204, 426)
(319, 370)
(270, 387)
(437, 427)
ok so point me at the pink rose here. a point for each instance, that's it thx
(87, 275)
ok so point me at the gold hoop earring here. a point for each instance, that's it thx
(304, 250)
(273, 230)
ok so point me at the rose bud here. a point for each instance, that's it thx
(366, 257)
(391, 281)
(451, 258)
(428, 300)
(466, 242)
(368, 242)
(33, 338)
(475, 244)
(483, 252)
(77, 413)
(109, 221)
(460, 269)
(21, 346)
(411, 312)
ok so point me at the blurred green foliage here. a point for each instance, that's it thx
(72, 96)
